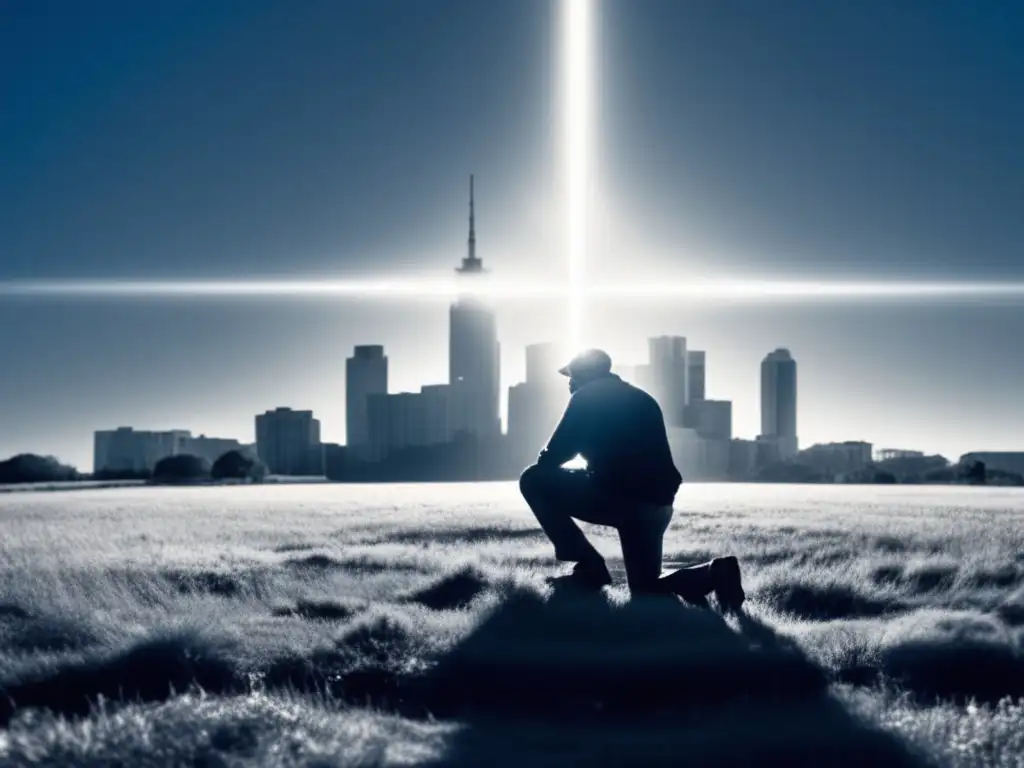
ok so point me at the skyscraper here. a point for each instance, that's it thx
(668, 376)
(778, 401)
(542, 364)
(366, 373)
(473, 351)
(535, 405)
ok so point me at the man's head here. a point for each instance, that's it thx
(587, 366)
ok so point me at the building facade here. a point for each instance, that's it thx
(288, 442)
(212, 448)
(1005, 461)
(667, 375)
(837, 458)
(366, 374)
(778, 402)
(696, 457)
(128, 450)
(712, 419)
(542, 363)
(696, 374)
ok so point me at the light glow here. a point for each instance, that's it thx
(694, 291)
(577, 67)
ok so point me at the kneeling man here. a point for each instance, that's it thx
(630, 484)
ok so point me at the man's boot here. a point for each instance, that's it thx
(590, 574)
(728, 585)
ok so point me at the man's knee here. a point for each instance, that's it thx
(533, 481)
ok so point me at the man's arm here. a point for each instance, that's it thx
(566, 441)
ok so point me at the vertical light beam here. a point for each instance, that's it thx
(578, 69)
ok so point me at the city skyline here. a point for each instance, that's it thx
(218, 142)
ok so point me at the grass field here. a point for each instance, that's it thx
(394, 625)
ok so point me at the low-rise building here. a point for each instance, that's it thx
(129, 450)
(837, 458)
(288, 442)
(1005, 461)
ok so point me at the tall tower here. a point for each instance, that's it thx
(473, 350)
(778, 400)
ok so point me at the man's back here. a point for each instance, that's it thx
(620, 430)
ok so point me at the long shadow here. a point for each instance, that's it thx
(455, 535)
(577, 680)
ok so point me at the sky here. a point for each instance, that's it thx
(241, 139)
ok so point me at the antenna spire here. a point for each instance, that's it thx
(472, 222)
(471, 264)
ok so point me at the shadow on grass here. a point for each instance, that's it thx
(317, 610)
(822, 602)
(11, 611)
(578, 680)
(23, 633)
(201, 582)
(456, 536)
(456, 590)
(320, 563)
(152, 670)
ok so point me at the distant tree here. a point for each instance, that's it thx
(181, 468)
(791, 472)
(31, 468)
(237, 465)
(122, 474)
(870, 475)
(974, 473)
(881, 477)
(915, 469)
(942, 475)
(1002, 477)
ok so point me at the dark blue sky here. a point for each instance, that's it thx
(257, 139)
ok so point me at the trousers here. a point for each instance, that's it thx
(559, 497)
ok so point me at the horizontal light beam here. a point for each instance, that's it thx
(357, 289)
(693, 291)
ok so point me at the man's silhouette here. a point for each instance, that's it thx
(630, 483)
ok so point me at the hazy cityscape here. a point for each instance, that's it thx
(453, 430)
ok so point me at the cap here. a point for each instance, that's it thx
(590, 362)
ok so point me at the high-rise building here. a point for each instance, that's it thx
(542, 364)
(668, 376)
(288, 442)
(473, 351)
(778, 402)
(695, 374)
(536, 405)
(366, 373)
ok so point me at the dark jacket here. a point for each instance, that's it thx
(619, 429)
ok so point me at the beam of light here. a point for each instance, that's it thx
(577, 68)
(694, 291)
(725, 291)
(408, 288)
